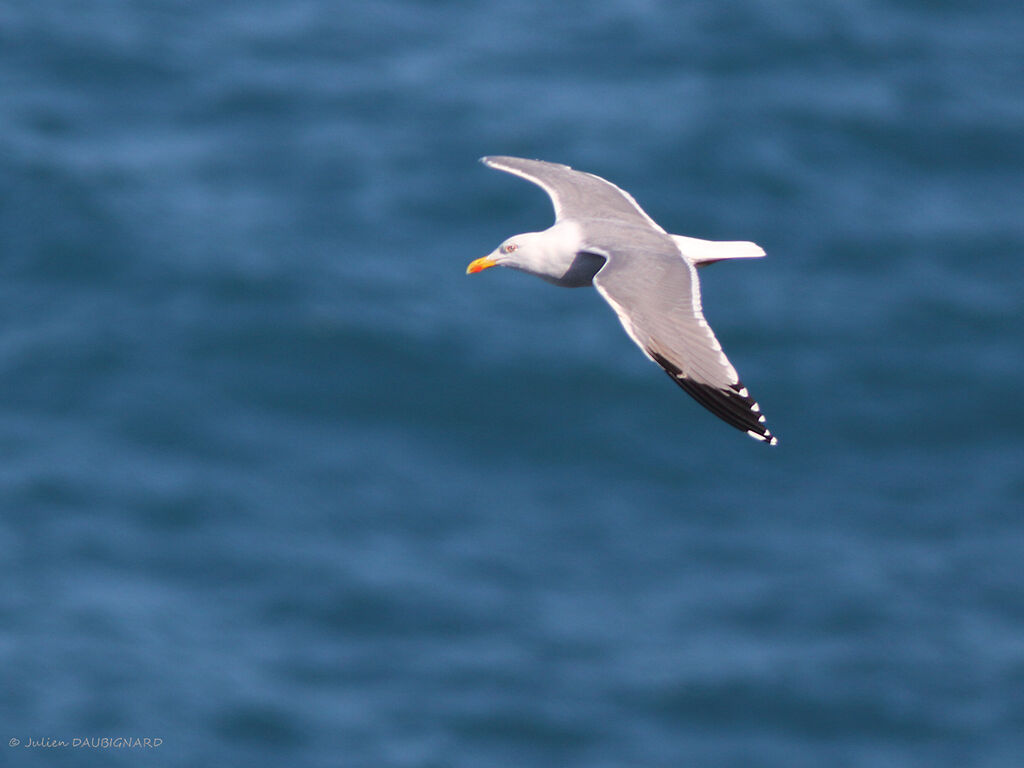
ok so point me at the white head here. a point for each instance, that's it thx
(548, 254)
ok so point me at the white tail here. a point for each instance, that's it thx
(702, 252)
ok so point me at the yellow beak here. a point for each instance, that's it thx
(479, 265)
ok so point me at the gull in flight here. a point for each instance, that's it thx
(602, 237)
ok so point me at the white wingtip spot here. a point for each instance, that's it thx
(767, 437)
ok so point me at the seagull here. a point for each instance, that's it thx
(602, 237)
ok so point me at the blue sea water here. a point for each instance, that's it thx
(282, 486)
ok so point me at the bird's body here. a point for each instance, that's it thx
(602, 237)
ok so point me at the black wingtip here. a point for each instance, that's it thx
(733, 405)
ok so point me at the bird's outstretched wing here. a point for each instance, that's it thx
(575, 194)
(656, 295)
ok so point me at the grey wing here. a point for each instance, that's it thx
(575, 194)
(657, 299)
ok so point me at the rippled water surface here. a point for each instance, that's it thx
(282, 486)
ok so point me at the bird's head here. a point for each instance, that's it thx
(517, 252)
(547, 254)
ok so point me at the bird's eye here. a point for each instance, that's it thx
(509, 248)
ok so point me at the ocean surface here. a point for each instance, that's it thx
(282, 486)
